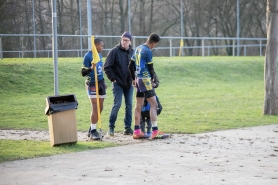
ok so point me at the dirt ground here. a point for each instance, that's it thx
(119, 138)
(246, 156)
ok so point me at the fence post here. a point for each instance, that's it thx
(260, 47)
(1, 49)
(233, 48)
(170, 47)
(208, 51)
(203, 47)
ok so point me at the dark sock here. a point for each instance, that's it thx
(154, 128)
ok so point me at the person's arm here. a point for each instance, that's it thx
(131, 67)
(87, 67)
(152, 73)
(108, 66)
(150, 66)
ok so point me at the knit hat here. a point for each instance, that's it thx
(127, 34)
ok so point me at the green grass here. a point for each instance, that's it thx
(215, 93)
(22, 149)
(197, 94)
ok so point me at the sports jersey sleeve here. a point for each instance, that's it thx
(86, 68)
(86, 61)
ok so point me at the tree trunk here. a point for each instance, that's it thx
(122, 16)
(151, 17)
(41, 26)
(270, 74)
(60, 23)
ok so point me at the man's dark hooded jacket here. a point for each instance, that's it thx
(116, 66)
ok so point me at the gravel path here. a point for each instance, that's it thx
(247, 156)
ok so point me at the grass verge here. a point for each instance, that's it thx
(22, 149)
(197, 94)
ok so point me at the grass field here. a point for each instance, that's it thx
(197, 94)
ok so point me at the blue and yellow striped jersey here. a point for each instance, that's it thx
(142, 57)
(88, 58)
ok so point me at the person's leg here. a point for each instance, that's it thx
(137, 134)
(128, 95)
(151, 98)
(94, 117)
(137, 110)
(101, 96)
(94, 113)
(142, 123)
(149, 126)
(153, 109)
(142, 86)
(91, 90)
(139, 102)
(117, 93)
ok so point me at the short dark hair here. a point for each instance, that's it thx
(153, 38)
(97, 41)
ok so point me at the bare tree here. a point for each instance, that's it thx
(41, 27)
(60, 22)
(201, 18)
(142, 21)
(151, 16)
(270, 68)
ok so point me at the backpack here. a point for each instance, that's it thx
(145, 112)
(146, 107)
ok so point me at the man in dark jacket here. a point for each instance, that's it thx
(116, 70)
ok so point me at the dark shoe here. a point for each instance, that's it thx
(149, 134)
(111, 132)
(94, 135)
(128, 131)
(89, 132)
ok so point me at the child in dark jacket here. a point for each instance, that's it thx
(145, 116)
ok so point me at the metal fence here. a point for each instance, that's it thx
(40, 45)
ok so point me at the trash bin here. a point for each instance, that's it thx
(61, 113)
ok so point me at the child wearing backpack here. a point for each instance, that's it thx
(145, 116)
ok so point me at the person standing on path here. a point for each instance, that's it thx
(88, 72)
(116, 70)
(143, 76)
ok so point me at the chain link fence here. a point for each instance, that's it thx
(40, 45)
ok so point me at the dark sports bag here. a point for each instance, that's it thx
(145, 112)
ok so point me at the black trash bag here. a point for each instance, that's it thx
(56, 104)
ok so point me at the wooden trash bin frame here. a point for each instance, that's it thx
(61, 113)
